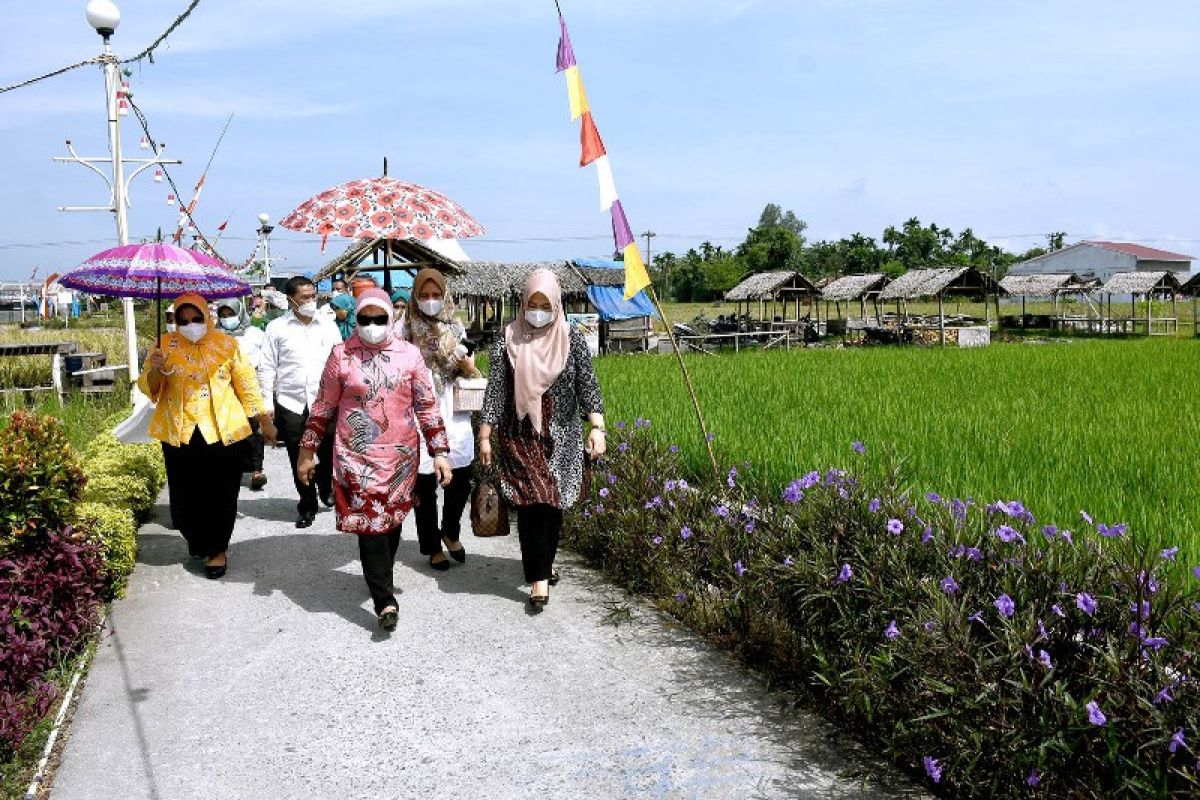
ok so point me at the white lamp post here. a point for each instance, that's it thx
(104, 16)
(264, 231)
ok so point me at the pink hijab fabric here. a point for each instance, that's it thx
(538, 355)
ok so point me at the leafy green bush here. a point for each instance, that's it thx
(997, 655)
(121, 491)
(40, 479)
(125, 475)
(114, 529)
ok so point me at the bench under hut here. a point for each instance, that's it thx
(941, 283)
(1057, 287)
(1147, 285)
(778, 289)
(850, 288)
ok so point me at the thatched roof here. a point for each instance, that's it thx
(1141, 282)
(494, 279)
(852, 287)
(766, 285)
(1192, 287)
(1044, 285)
(599, 276)
(918, 283)
(406, 254)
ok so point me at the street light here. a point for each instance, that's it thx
(264, 231)
(104, 16)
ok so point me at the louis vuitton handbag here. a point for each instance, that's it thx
(489, 511)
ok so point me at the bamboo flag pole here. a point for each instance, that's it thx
(687, 378)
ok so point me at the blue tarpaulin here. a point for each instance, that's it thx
(610, 301)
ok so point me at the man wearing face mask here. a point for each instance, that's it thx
(294, 353)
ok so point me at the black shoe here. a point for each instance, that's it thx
(440, 566)
(306, 519)
(257, 481)
(388, 619)
(459, 555)
(554, 577)
(538, 600)
(212, 572)
(327, 499)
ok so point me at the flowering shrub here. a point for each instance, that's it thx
(49, 602)
(992, 654)
(40, 479)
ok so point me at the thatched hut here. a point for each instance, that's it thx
(1147, 284)
(776, 288)
(1192, 289)
(941, 283)
(1054, 286)
(387, 255)
(849, 288)
(490, 291)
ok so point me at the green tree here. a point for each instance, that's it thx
(775, 217)
(771, 248)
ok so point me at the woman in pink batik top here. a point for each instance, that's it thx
(377, 386)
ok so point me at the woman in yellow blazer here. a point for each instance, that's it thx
(205, 392)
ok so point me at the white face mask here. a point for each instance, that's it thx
(229, 323)
(430, 308)
(170, 327)
(308, 309)
(372, 334)
(194, 332)
(538, 318)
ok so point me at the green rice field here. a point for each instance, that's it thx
(1101, 426)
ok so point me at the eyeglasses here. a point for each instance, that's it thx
(374, 319)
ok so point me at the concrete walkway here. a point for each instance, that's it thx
(276, 682)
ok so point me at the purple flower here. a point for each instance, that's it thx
(739, 568)
(1196, 573)
(674, 448)
(1044, 657)
(844, 575)
(892, 632)
(895, 527)
(958, 510)
(1057, 609)
(1034, 778)
(976, 617)
(669, 486)
(1095, 715)
(621, 425)
(708, 437)
(1169, 554)
(810, 480)
(731, 478)
(1149, 581)
(612, 480)
(933, 769)
(1086, 517)
(641, 423)
(929, 626)
(657, 540)
(683, 484)
(793, 493)
(1085, 603)
(604, 492)
(622, 447)
(1042, 635)
(927, 536)
(1155, 642)
(949, 585)
(1177, 741)
(787, 562)
(685, 533)
(681, 597)
(1067, 537)
(599, 508)
(722, 511)
(1164, 695)
(750, 526)
(1005, 606)
(874, 505)
(1008, 534)
(858, 447)
(1050, 531)
(1141, 610)
(1111, 532)
(933, 497)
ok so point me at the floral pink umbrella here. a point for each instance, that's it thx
(382, 208)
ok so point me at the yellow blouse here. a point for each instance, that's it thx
(209, 385)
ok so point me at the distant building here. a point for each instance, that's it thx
(1102, 260)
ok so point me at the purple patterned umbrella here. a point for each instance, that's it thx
(153, 271)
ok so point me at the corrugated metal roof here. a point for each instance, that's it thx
(1141, 252)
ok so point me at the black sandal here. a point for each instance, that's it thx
(440, 566)
(388, 618)
(459, 555)
(554, 577)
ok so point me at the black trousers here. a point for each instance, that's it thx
(378, 553)
(252, 448)
(429, 534)
(290, 426)
(538, 528)
(203, 482)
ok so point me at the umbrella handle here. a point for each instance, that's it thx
(158, 315)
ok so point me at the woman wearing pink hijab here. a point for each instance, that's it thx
(378, 388)
(541, 379)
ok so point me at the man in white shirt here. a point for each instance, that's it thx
(293, 358)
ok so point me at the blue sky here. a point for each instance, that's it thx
(1013, 118)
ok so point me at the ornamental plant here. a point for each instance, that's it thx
(985, 651)
(40, 479)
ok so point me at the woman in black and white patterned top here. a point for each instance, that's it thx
(541, 381)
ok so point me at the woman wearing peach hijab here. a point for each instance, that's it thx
(205, 390)
(541, 379)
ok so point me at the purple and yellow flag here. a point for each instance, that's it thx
(592, 146)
